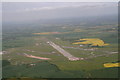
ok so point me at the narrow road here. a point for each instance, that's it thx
(63, 52)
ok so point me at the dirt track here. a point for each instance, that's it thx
(31, 56)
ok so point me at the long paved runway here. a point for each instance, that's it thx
(63, 52)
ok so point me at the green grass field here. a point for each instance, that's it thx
(37, 45)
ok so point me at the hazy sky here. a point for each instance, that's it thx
(59, 0)
(27, 11)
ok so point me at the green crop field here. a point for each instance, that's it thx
(15, 46)
(59, 40)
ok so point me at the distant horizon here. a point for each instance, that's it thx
(20, 12)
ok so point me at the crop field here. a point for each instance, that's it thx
(41, 40)
(34, 49)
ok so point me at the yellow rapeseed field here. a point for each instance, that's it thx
(112, 65)
(47, 33)
(91, 41)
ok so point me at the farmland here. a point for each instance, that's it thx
(54, 40)
(39, 54)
